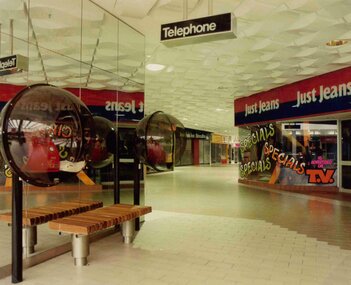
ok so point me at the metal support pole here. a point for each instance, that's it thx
(17, 207)
(11, 36)
(185, 9)
(0, 38)
(116, 181)
(128, 231)
(136, 195)
(80, 249)
(210, 7)
(29, 239)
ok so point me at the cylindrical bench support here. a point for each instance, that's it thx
(80, 249)
(29, 236)
(128, 230)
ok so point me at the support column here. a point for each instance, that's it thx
(17, 206)
(29, 239)
(80, 249)
(128, 230)
(136, 196)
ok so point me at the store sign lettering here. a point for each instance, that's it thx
(217, 27)
(124, 106)
(320, 162)
(45, 107)
(169, 33)
(326, 93)
(262, 106)
(320, 176)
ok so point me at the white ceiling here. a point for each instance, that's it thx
(279, 42)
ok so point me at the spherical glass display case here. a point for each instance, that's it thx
(45, 134)
(104, 143)
(161, 141)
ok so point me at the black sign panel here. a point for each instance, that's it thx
(212, 25)
(8, 62)
(12, 64)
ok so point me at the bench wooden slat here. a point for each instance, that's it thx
(99, 219)
(43, 214)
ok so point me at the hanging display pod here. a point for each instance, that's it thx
(104, 143)
(161, 141)
(46, 134)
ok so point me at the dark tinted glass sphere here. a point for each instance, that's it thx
(45, 134)
(161, 140)
(104, 143)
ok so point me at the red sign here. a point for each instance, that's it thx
(111, 104)
(327, 93)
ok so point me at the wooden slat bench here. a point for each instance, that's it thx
(33, 217)
(82, 225)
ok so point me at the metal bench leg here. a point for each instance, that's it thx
(128, 230)
(80, 249)
(29, 236)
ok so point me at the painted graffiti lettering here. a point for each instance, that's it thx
(284, 159)
(255, 166)
(262, 134)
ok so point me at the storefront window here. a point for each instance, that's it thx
(299, 153)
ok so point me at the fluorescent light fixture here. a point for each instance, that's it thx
(155, 67)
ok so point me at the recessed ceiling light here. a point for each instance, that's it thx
(155, 67)
(335, 43)
(219, 109)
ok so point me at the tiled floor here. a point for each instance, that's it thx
(205, 229)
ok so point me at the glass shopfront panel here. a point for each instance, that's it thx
(204, 149)
(300, 153)
(218, 153)
(187, 157)
(346, 177)
(345, 141)
(86, 51)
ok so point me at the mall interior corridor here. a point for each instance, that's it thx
(207, 229)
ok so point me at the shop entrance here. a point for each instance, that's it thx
(345, 159)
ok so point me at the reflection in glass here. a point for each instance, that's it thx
(162, 141)
(346, 140)
(104, 143)
(46, 134)
(346, 177)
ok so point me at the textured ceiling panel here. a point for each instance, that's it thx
(279, 42)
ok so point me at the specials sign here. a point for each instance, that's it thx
(204, 29)
(13, 64)
(327, 93)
